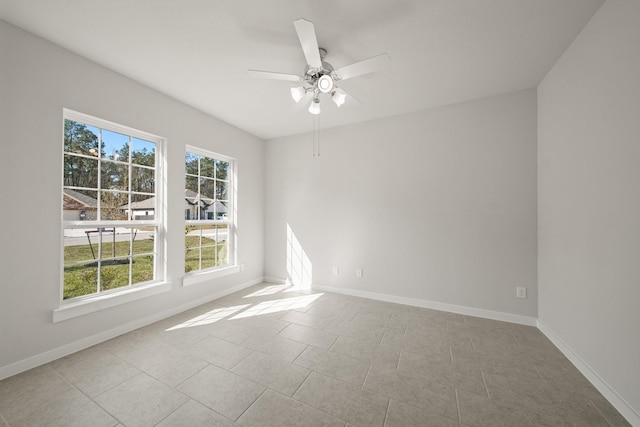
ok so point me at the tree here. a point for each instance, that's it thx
(79, 142)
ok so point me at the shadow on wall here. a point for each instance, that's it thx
(299, 268)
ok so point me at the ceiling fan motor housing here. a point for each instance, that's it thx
(323, 78)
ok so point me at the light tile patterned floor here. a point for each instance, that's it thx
(272, 355)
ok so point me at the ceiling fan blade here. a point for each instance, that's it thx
(363, 67)
(307, 35)
(274, 76)
(351, 99)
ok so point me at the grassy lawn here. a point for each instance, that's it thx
(212, 255)
(82, 279)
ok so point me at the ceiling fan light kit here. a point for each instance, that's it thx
(319, 76)
(297, 93)
(314, 107)
(338, 97)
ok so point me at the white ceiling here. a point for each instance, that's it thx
(198, 51)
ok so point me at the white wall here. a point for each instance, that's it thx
(438, 205)
(589, 200)
(38, 79)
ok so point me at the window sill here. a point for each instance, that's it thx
(91, 305)
(199, 277)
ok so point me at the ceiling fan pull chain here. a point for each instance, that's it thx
(318, 134)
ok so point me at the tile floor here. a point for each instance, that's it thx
(276, 356)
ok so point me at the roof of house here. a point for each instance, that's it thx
(146, 204)
(192, 197)
(83, 199)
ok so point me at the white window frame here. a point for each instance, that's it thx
(96, 301)
(198, 276)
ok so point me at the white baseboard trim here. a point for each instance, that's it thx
(631, 415)
(276, 280)
(58, 352)
(459, 309)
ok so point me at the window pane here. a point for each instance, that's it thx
(143, 207)
(208, 190)
(142, 180)
(79, 205)
(192, 260)
(191, 212)
(80, 280)
(79, 245)
(80, 171)
(80, 138)
(221, 253)
(116, 242)
(113, 205)
(222, 170)
(191, 185)
(222, 190)
(115, 146)
(114, 274)
(191, 163)
(207, 167)
(222, 211)
(142, 269)
(208, 256)
(143, 241)
(115, 176)
(143, 153)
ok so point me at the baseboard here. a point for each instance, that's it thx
(58, 352)
(459, 309)
(631, 415)
(276, 280)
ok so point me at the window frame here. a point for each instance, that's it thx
(129, 291)
(196, 276)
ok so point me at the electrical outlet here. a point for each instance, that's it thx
(359, 272)
(336, 270)
(241, 267)
(521, 292)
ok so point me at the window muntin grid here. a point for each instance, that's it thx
(208, 211)
(110, 204)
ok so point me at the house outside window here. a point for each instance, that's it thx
(110, 201)
(209, 225)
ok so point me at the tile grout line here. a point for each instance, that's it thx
(540, 375)
(169, 414)
(192, 375)
(89, 397)
(240, 361)
(386, 413)
(366, 376)
(303, 381)
(293, 362)
(248, 407)
(458, 406)
(486, 389)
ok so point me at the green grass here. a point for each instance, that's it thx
(81, 279)
(212, 255)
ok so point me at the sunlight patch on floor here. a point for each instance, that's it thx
(278, 305)
(209, 317)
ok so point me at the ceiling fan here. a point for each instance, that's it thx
(319, 76)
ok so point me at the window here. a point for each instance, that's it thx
(208, 210)
(110, 207)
